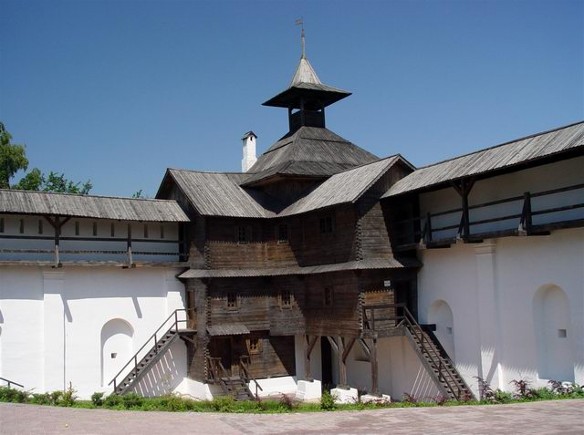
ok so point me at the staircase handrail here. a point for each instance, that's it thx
(247, 377)
(415, 328)
(9, 382)
(218, 372)
(153, 337)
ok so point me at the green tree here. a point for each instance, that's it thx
(12, 158)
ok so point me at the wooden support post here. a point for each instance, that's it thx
(428, 232)
(463, 190)
(342, 364)
(57, 224)
(526, 220)
(309, 346)
(374, 369)
(130, 257)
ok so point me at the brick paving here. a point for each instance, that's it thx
(554, 417)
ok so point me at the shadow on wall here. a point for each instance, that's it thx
(165, 376)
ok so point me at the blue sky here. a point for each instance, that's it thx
(117, 91)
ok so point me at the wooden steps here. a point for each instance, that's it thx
(142, 366)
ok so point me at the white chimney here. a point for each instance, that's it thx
(249, 151)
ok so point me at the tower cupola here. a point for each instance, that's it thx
(306, 97)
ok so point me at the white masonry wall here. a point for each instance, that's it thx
(517, 307)
(80, 324)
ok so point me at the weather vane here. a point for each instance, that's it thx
(300, 22)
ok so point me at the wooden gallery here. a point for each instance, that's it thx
(320, 265)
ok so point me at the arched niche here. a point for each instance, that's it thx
(551, 320)
(116, 348)
(440, 314)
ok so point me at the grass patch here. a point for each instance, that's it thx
(176, 403)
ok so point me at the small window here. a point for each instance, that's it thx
(327, 225)
(95, 228)
(21, 226)
(162, 231)
(112, 230)
(562, 333)
(243, 234)
(285, 299)
(253, 345)
(231, 300)
(1, 225)
(145, 231)
(328, 296)
(77, 228)
(282, 234)
(40, 226)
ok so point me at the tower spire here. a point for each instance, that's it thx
(300, 22)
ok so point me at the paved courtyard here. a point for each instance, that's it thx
(555, 417)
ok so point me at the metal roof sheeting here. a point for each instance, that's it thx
(499, 157)
(368, 264)
(86, 206)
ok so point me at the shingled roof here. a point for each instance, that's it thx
(528, 150)
(86, 206)
(308, 152)
(220, 194)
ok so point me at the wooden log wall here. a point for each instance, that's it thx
(197, 291)
(275, 356)
(258, 304)
(341, 317)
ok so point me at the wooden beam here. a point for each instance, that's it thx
(309, 346)
(374, 369)
(349, 345)
(342, 364)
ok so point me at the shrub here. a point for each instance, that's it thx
(13, 395)
(97, 398)
(68, 397)
(327, 401)
(113, 401)
(522, 390)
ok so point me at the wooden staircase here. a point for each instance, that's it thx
(431, 353)
(435, 359)
(148, 354)
(235, 386)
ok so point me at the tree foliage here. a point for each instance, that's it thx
(13, 159)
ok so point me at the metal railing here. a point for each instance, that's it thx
(171, 323)
(9, 382)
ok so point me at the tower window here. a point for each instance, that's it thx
(21, 226)
(253, 345)
(282, 233)
(231, 301)
(243, 234)
(327, 224)
(146, 231)
(77, 228)
(40, 226)
(161, 231)
(112, 230)
(328, 296)
(95, 228)
(285, 299)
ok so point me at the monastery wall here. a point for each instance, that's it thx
(80, 324)
(509, 308)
